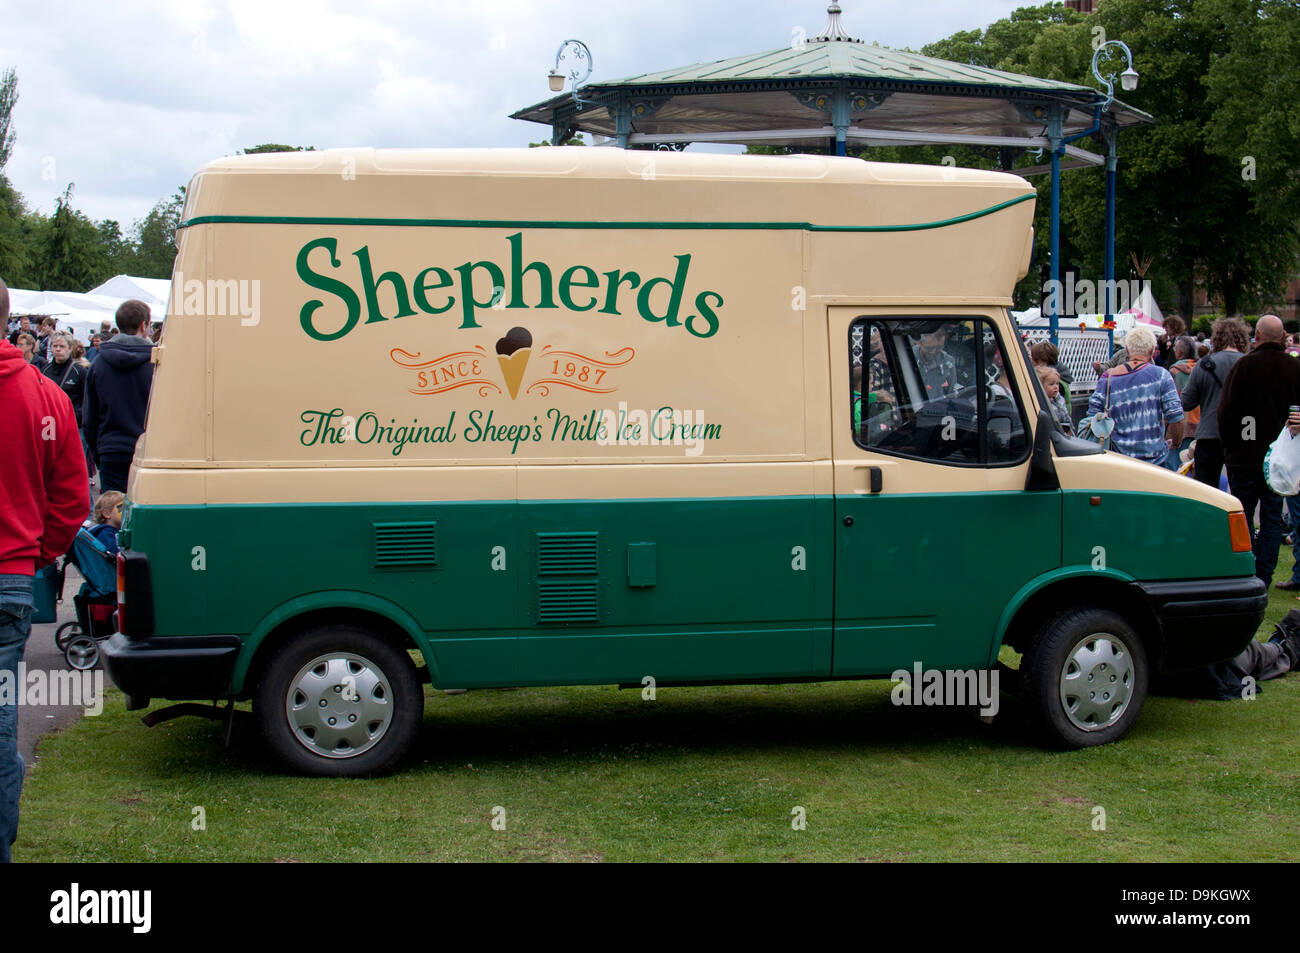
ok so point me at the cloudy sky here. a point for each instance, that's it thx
(127, 99)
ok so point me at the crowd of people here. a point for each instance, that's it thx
(1211, 411)
(71, 420)
(1207, 409)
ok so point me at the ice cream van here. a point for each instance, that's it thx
(587, 416)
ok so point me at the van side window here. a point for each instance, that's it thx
(935, 389)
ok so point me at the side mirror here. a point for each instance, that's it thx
(1042, 470)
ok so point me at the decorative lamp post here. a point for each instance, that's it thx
(580, 56)
(1129, 82)
(1128, 79)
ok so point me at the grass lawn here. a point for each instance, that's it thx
(590, 774)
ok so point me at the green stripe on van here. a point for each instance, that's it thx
(520, 223)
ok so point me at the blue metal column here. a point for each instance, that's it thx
(840, 119)
(623, 120)
(1055, 135)
(1112, 162)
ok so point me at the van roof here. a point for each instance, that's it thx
(590, 183)
(596, 163)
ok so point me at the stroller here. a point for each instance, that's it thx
(95, 601)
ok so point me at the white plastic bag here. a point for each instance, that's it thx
(1282, 464)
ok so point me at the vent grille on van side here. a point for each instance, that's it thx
(566, 553)
(405, 545)
(568, 581)
(563, 600)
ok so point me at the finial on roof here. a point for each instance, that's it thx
(833, 32)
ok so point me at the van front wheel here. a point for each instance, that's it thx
(1085, 678)
(339, 702)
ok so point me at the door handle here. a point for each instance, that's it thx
(876, 479)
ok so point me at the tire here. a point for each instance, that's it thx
(1085, 678)
(81, 653)
(306, 685)
(64, 633)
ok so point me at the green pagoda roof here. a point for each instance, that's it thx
(787, 96)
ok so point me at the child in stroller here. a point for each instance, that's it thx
(94, 553)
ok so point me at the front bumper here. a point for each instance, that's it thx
(1206, 620)
(177, 668)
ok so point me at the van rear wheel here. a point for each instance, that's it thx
(1085, 678)
(339, 702)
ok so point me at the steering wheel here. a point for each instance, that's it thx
(970, 391)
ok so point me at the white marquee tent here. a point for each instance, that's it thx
(83, 313)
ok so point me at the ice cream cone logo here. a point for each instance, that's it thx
(513, 352)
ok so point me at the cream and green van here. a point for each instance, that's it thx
(589, 416)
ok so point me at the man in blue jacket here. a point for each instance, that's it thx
(117, 395)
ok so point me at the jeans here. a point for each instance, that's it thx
(15, 626)
(1249, 486)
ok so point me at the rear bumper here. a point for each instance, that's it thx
(177, 668)
(1206, 620)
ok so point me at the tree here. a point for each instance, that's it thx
(571, 141)
(15, 262)
(155, 237)
(8, 99)
(1254, 89)
(1182, 199)
(274, 147)
(119, 253)
(1016, 44)
(69, 253)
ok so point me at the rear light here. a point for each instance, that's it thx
(1239, 532)
(121, 592)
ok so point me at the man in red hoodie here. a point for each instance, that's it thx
(42, 505)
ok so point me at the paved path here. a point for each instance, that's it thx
(42, 653)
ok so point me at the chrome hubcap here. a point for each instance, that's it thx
(1097, 682)
(339, 705)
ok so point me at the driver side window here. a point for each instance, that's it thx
(935, 389)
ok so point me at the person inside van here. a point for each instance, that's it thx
(880, 403)
(938, 370)
(857, 398)
(999, 380)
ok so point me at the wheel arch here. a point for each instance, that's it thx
(338, 607)
(1047, 595)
